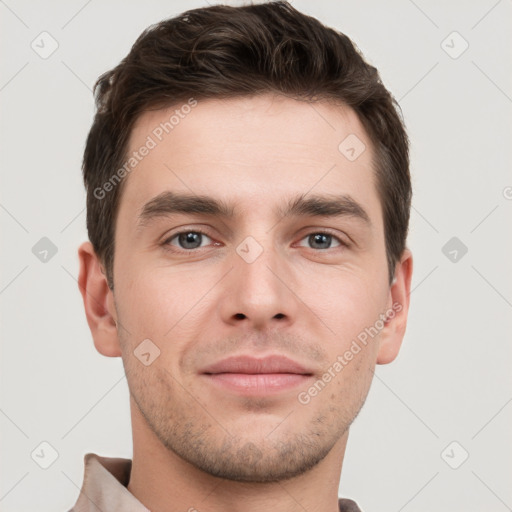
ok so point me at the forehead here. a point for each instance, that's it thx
(258, 147)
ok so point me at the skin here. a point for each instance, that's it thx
(195, 445)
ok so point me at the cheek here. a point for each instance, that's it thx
(348, 304)
(355, 380)
(153, 301)
(338, 394)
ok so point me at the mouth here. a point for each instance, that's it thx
(253, 376)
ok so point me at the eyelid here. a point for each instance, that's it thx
(169, 237)
(342, 238)
(342, 244)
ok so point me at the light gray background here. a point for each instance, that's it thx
(452, 379)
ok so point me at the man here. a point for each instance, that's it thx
(248, 197)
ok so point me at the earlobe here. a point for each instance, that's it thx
(394, 331)
(98, 302)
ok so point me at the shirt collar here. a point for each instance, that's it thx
(104, 486)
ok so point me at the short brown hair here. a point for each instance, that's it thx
(226, 52)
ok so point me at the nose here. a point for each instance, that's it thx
(258, 292)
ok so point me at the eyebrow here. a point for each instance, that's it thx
(328, 205)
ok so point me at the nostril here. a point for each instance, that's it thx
(239, 316)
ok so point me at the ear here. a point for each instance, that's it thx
(98, 302)
(398, 309)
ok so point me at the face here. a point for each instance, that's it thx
(250, 255)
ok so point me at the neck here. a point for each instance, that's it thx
(163, 481)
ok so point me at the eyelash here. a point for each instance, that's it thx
(166, 243)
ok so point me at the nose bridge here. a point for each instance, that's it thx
(256, 292)
(256, 262)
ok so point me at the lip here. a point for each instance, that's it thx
(257, 365)
(251, 376)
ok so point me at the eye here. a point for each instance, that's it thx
(190, 240)
(323, 240)
(187, 240)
